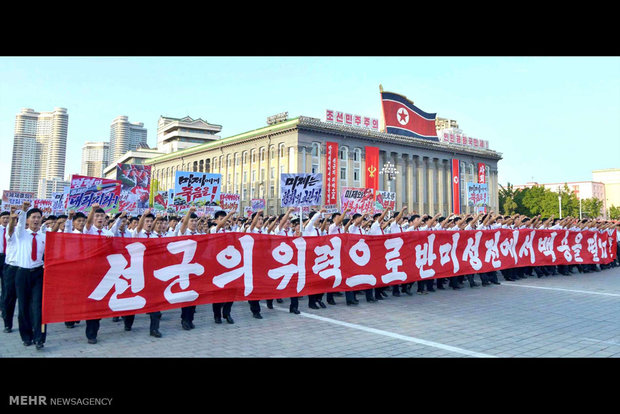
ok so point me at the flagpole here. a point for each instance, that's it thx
(382, 109)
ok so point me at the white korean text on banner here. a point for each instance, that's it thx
(303, 189)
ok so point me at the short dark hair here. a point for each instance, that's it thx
(32, 211)
(356, 215)
(334, 215)
(51, 217)
(99, 210)
(4, 213)
(63, 216)
(218, 214)
(414, 216)
(79, 214)
(193, 216)
(150, 215)
(374, 217)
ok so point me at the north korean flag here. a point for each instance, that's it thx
(402, 117)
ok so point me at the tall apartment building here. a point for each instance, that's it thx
(39, 149)
(95, 158)
(176, 134)
(125, 136)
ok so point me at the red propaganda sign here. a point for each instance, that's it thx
(331, 173)
(456, 193)
(91, 277)
(372, 167)
(481, 173)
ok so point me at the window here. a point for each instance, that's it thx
(244, 157)
(208, 165)
(262, 154)
(281, 150)
(316, 161)
(253, 155)
(343, 160)
(357, 166)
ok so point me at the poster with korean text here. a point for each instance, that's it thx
(86, 191)
(478, 196)
(385, 200)
(16, 199)
(197, 189)
(302, 189)
(230, 202)
(358, 200)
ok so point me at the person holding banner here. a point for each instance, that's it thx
(30, 246)
(224, 308)
(189, 227)
(9, 294)
(256, 226)
(315, 300)
(4, 222)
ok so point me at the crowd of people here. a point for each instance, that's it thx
(23, 235)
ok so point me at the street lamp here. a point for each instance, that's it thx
(560, 200)
(390, 171)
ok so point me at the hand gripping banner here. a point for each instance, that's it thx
(91, 277)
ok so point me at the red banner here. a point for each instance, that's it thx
(372, 167)
(331, 173)
(110, 276)
(456, 184)
(482, 179)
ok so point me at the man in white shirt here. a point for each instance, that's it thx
(222, 308)
(311, 229)
(4, 222)
(9, 294)
(30, 246)
(119, 228)
(188, 227)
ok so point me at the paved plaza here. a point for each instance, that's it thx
(550, 317)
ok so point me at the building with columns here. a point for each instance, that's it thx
(251, 163)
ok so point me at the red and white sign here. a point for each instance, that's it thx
(452, 137)
(456, 185)
(481, 173)
(91, 277)
(331, 173)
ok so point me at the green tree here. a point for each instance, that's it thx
(613, 213)
(591, 207)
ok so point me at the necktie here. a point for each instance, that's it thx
(148, 234)
(159, 235)
(192, 233)
(317, 232)
(339, 231)
(360, 230)
(33, 256)
(122, 234)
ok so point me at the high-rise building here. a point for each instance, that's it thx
(176, 134)
(39, 149)
(125, 136)
(95, 157)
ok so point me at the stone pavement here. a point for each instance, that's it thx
(552, 317)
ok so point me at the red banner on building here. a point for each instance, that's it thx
(456, 187)
(482, 176)
(331, 173)
(372, 168)
(92, 277)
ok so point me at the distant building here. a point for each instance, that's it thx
(95, 158)
(125, 136)
(581, 189)
(137, 156)
(176, 134)
(611, 180)
(39, 149)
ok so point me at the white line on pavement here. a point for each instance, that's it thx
(393, 335)
(565, 290)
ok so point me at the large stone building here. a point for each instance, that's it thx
(251, 163)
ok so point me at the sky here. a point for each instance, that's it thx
(553, 118)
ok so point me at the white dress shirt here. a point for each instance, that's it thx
(24, 239)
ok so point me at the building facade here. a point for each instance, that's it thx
(251, 163)
(125, 136)
(175, 134)
(39, 149)
(95, 158)
(610, 178)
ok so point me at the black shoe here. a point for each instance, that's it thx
(350, 302)
(116, 319)
(269, 305)
(382, 293)
(486, 284)
(279, 301)
(431, 289)
(473, 284)
(321, 304)
(187, 325)
(371, 300)
(294, 310)
(397, 294)
(229, 319)
(378, 298)
(155, 333)
(258, 315)
(39, 345)
(496, 283)
(8, 330)
(128, 328)
(218, 319)
(313, 306)
(331, 301)
(27, 343)
(92, 341)
(441, 287)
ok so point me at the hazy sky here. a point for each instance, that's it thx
(553, 118)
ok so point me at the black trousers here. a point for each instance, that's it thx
(222, 309)
(254, 306)
(92, 327)
(9, 295)
(29, 288)
(187, 313)
(154, 316)
(2, 257)
(294, 302)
